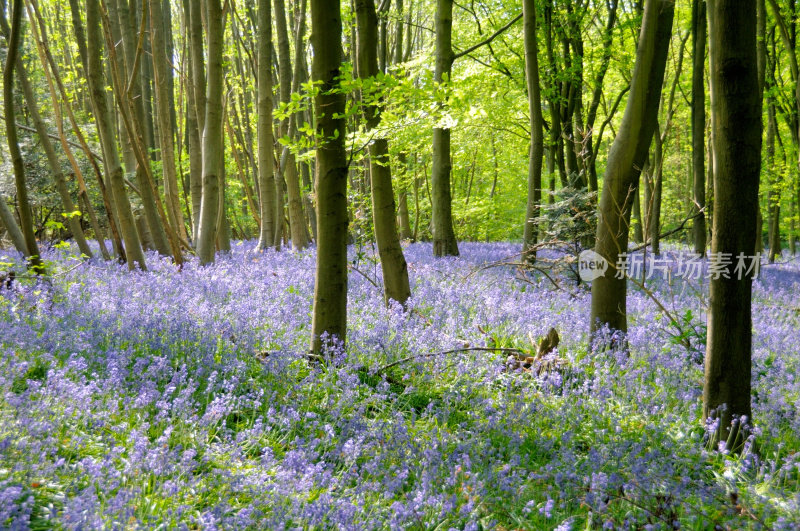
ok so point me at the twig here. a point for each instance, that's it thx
(357, 270)
(516, 351)
(670, 232)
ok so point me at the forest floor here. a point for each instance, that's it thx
(184, 399)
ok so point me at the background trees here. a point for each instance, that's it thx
(203, 121)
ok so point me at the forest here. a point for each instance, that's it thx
(400, 264)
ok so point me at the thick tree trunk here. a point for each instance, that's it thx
(213, 145)
(25, 216)
(330, 287)
(625, 160)
(105, 130)
(444, 237)
(699, 124)
(393, 262)
(530, 232)
(736, 123)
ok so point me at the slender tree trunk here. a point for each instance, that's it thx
(73, 222)
(774, 196)
(597, 93)
(655, 211)
(25, 215)
(213, 144)
(530, 233)
(625, 160)
(736, 123)
(699, 124)
(105, 130)
(297, 219)
(285, 90)
(393, 262)
(638, 233)
(196, 97)
(133, 55)
(164, 109)
(444, 236)
(264, 101)
(330, 287)
(194, 144)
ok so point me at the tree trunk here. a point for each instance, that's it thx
(25, 215)
(625, 160)
(297, 218)
(73, 222)
(393, 262)
(105, 130)
(264, 101)
(774, 196)
(699, 124)
(330, 287)
(530, 232)
(638, 233)
(213, 145)
(444, 237)
(139, 133)
(164, 107)
(655, 209)
(736, 124)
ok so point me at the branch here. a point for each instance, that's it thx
(670, 232)
(515, 351)
(54, 137)
(488, 39)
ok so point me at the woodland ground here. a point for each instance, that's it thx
(182, 399)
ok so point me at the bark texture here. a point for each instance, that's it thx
(330, 288)
(393, 262)
(736, 125)
(625, 160)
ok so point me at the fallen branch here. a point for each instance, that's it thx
(519, 353)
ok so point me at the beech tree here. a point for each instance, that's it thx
(30, 248)
(536, 151)
(329, 319)
(393, 263)
(625, 161)
(212, 136)
(736, 141)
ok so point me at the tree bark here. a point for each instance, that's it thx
(444, 237)
(297, 219)
(73, 222)
(213, 144)
(699, 124)
(138, 135)
(105, 130)
(266, 178)
(736, 125)
(25, 215)
(655, 209)
(536, 152)
(164, 107)
(625, 160)
(393, 262)
(330, 287)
